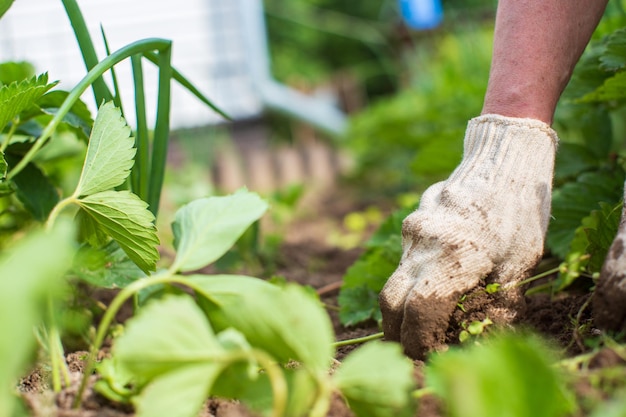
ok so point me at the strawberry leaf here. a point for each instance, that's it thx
(206, 228)
(109, 155)
(125, 217)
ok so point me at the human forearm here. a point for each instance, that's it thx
(537, 44)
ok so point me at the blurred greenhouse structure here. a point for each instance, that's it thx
(219, 45)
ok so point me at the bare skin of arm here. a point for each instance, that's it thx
(537, 44)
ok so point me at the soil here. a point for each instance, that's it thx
(306, 257)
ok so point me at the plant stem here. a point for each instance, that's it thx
(9, 135)
(55, 350)
(538, 276)
(422, 392)
(57, 209)
(358, 340)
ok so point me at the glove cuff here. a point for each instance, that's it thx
(503, 123)
(505, 150)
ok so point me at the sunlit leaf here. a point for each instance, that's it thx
(16, 97)
(206, 228)
(510, 375)
(167, 334)
(109, 154)
(382, 390)
(179, 393)
(14, 71)
(285, 321)
(30, 273)
(124, 216)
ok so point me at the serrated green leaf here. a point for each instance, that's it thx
(467, 380)
(125, 217)
(109, 154)
(575, 200)
(613, 88)
(206, 228)
(108, 267)
(383, 390)
(613, 57)
(285, 321)
(16, 97)
(30, 273)
(90, 231)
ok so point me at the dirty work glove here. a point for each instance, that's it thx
(485, 224)
(609, 300)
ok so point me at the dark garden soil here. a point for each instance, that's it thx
(306, 257)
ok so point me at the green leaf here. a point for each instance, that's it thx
(16, 97)
(179, 393)
(78, 118)
(124, 217)
(601, 237)
(171, 350)
(4, 6)
(206, 228)
(15, 71)
(613, 57)
(30, 273)
(377, 381)
(108, 267)
(5, 186)
(575, 200)
(613, 88)
(572, 160)
(167, 334)
(109, 154)
(358, 304)
(288, 322)
(509, 375)
(358, 298)
(35, 191)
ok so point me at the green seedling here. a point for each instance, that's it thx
(475, 328)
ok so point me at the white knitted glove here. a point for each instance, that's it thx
(609, 303)
(485, 224)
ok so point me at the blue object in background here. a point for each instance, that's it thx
(421, 14)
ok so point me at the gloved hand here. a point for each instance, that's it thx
(486, 223)
(609, 303)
